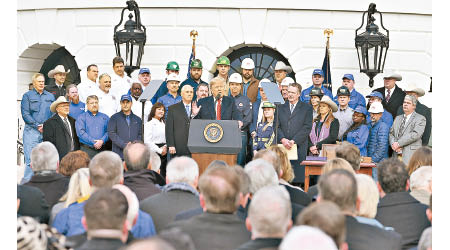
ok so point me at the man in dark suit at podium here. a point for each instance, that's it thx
(218, 106)
(294, 126)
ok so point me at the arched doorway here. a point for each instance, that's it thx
(265, 59)
(61, 56)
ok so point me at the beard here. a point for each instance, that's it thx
(75, 100)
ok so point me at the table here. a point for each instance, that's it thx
(315, 168)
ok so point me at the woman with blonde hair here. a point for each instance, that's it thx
(325, 127)
(422, 157)
(79, 189)
(286, 167)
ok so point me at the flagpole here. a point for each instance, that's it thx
(193, 36)
(328, 33)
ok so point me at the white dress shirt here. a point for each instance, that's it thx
(155, 133)
(137, 109)
(386, 91)
(87, 88)
(108, 103)
(120, 85)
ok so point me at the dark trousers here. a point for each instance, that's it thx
(90, 151)
(163, 160)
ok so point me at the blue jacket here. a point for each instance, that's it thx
(90, 127)
(161, 91)
(356, 99)
(386, 118)
(120, 133)
(359, 137)
(35, 107)
(68, 222)
(304, 97)
(378, 144)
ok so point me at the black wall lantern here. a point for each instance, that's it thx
(130, 40)
(371, 45)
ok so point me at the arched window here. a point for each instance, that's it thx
(61, 56)
(265, 59)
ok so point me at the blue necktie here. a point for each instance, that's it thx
(188, 110)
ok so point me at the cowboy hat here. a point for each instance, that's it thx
(282, 66)
(58, 101)
(326, 99)
(413, 88)
(397, 77)
(57, 69)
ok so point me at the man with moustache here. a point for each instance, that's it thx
(76, 106)
(57, 88)
(202, 91)
(195, 75)
(250, 83)
(108, 103)
(89, 86)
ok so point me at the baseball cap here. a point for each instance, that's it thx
(125, 97)
(361, 109)
(348, 76)
(144, 70)
(375, 94)
(318, 72)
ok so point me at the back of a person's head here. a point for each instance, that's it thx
(337, 163)
(368, 196)
(105, 170)
(392, 175)
(288, 172)
(339, 186)
(270, 212)
(182, 169)
(106, 209)
(133, 203)
(421, 178)
(216, 164)
(425, 240)
(244, 179)
(307, 238)
(177, 238)
(271, 157)
(136, 156)
(350, 153)
(220, 189)
(261, 174)
(44, 157)
(153, 243)
(421, 157)
(72, 161)
(78, 186)
(30, 234)
(326, 216)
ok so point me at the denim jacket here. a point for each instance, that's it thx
(35, 107)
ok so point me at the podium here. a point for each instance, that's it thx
(211, 140)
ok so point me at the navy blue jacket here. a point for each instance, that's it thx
(208, 110)
(378, 143)
(193, 84)
(255, 110)
(120, 133)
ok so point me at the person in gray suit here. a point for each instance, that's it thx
(405, 136)
(178, 195)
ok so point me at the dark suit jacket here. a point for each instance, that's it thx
(395, 101)
(298, 196)
(296, 126)
(32, 203)
(405, 214)
(56, 133)
(261, 243)
(52, 185)
(100, 243)
(177, 129)
(57, 92)
(214, 231)
(208, 110)
(425, 111)
(366, 237)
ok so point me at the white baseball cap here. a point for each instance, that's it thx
(376, 107)
(235, 77)
(286, 81)
(173, 77)
(248, 63)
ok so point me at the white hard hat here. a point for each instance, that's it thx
(376, 107)
(263, 80)
(286, 81)
(235, 77)
(173, 77)
(248, 63)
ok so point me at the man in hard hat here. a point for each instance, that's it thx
(195, 75)
(172, 96)
(317, 79)
(172, 67)
(223, 67)
(250, 83)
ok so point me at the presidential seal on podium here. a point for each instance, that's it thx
(213, 132)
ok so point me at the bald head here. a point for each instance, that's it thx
(136, 156)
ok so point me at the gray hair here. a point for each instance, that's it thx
(368, 196)
(307, 238)
(425, 240)
(270, 211)
(182, 169)
(103, 75)
(105, 170)
(91, 97)
(136, 156)
(261, 174)
(420, 178)
(155, 161)
(412, 98)
(185, 87)
(44, 157)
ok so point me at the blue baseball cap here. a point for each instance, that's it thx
(125, 97)
(348, 76)
(318, 72)
(361, 109)
(144, 70)
(376, 94)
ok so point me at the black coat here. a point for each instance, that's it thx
(362, 236)
(395, 101)
(32, 203)
(56, 133)
(57, 92)
(142, 182)
(229, 110)
(296, 126)
(53, 186)
(298, 196)
(101, 244)
(426, 112)
(177, 129)
(405, 214)
(214, 231)
(261, 243)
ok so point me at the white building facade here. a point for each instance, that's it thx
(292, 28)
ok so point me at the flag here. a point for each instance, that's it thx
(326, 70)
(191, 58)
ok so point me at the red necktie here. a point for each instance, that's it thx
(388, 97)
(219, 109)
